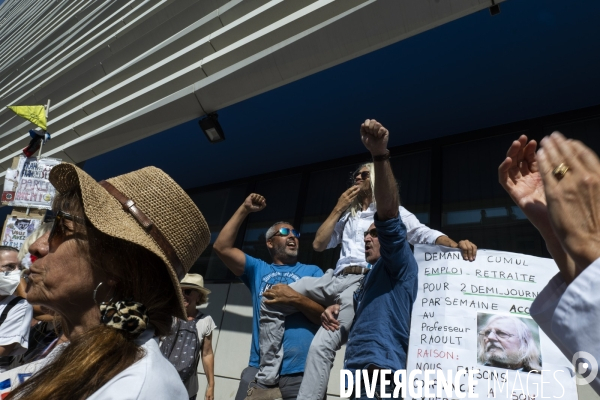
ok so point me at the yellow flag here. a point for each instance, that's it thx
(34, 114)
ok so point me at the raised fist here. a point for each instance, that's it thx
(374, 136)
(254, 202)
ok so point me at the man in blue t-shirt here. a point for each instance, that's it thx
(271, 280)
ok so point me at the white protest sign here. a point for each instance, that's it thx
(34, 188)
(17, 229)
(475, 316)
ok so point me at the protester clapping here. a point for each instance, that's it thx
(558, 189)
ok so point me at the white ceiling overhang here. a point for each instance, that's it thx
(119, 71)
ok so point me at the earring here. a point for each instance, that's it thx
(96, 291)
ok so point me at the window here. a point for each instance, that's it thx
(471, 204)
(475, 206)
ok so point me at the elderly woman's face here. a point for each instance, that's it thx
(62, 277)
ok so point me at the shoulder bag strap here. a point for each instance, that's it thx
(9, 307)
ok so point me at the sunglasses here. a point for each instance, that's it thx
(364, 174)
(58, 222)
(286, 231)
(372, 232)
(499, 334)
(188, 292)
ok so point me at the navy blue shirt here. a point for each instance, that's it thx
(381, 327)
(299, 331)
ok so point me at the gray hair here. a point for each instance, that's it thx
(529, 354)
(272, 231)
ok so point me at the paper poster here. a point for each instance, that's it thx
(475, 315)
(10, 379)
(10, 185)
(34, 188)
(17, 229)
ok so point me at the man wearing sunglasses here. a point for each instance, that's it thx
(378, 339)
(270, 282)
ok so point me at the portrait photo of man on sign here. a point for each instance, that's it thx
(508, 342)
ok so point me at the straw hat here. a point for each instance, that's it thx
(145, 207)
(194, 281)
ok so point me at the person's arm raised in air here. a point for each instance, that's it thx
(396, 254)
(232, 257)
(375, 138)
(519, 175)
(323, 235)
(572, 198)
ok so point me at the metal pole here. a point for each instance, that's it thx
(42, 143)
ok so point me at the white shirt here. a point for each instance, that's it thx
(15, 329)
(349, 231)
(570, 316)
(152, 377)
(205, 327)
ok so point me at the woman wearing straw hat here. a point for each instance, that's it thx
(110, 267)
(194, 295)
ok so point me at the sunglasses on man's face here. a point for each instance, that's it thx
(286, 231)
(58, 223)
(372, 232)
(188, 292)
(364, 175)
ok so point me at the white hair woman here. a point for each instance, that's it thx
(110, 267)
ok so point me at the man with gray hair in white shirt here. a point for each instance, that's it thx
(346, 225)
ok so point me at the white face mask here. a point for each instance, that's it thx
(9, 282)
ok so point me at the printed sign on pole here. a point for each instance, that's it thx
(34, 189)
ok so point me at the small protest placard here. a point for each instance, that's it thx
(17, 229)
(34, 189)
(10, 185)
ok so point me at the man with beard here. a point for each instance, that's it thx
(270, 281)
(506, 342)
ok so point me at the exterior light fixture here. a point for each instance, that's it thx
(211, 128)
(494, 9)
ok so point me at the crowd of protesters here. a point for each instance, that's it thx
(99, 304)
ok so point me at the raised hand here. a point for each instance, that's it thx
(519, 175)
(573, 198)
(346, 198)
(374, 136)
(254, 203)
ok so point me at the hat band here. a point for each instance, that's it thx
(148, 225)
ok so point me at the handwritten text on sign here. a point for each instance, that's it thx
(475, 316)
